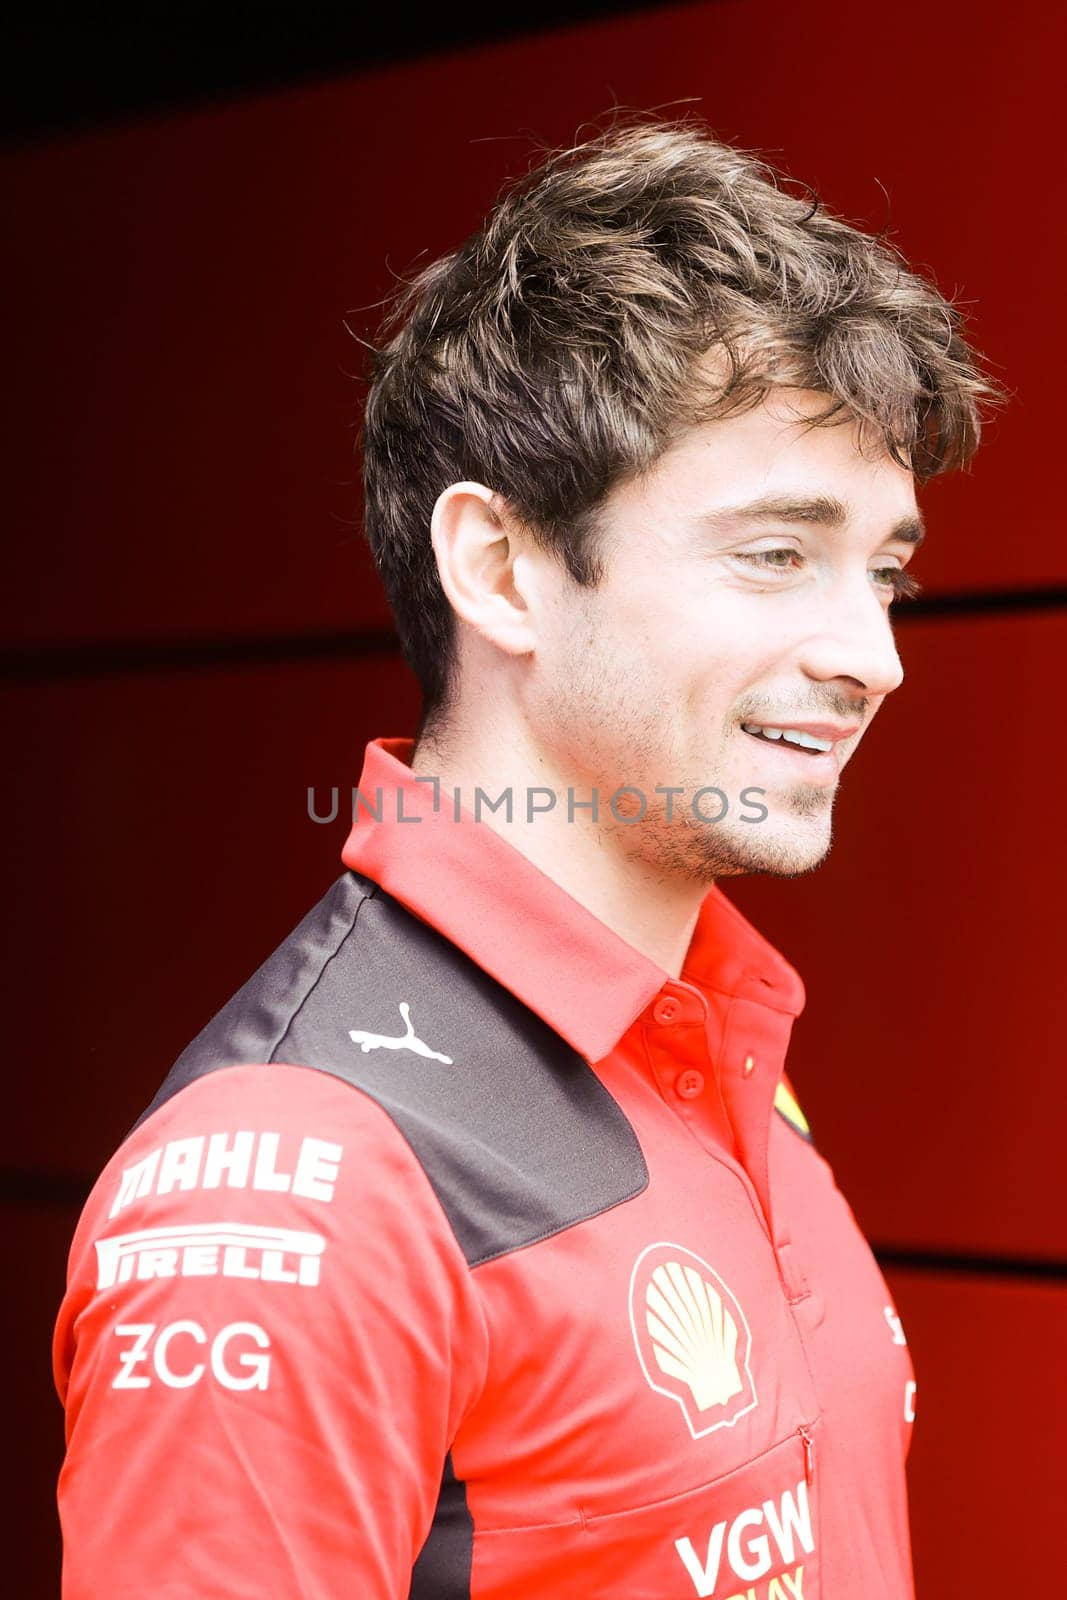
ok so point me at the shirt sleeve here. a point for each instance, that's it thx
(268, 1341)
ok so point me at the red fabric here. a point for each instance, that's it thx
(331, 1471)
(589, 1468)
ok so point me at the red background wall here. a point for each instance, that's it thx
(185, 565)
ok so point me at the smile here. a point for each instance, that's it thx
(803, 741)
(813, 760)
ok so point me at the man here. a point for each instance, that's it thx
(479, 1246)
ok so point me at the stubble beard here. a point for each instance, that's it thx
(704, 850)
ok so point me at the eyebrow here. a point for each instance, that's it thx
(824, 509)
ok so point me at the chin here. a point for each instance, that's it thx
(792, 859)
(784, 857)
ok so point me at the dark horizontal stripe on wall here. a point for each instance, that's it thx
(21, 1187)
(37, 663)
(946, 1262)
(70, 66)
(982, 603)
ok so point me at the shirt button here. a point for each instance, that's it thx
(748, 1067)
(689, 1084)
(665, 1009)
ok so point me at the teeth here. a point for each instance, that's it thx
(807, 741)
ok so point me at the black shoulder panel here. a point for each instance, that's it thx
(514, 1130)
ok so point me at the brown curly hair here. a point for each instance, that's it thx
(551, 356)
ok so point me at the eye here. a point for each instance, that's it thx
(903, 585)
(760, 558)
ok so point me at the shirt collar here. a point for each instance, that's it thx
(524, 929)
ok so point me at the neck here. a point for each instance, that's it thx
(598, 862)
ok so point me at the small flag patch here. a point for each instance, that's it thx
(785, 1101)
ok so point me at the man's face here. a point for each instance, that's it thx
(707, 622)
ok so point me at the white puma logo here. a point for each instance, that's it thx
(406, 1041)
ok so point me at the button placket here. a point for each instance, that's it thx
(680, 1057)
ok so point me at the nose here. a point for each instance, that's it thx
(853, 639)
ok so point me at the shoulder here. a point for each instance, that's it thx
(270, 1128)
(496, 1109)
(258, 1168)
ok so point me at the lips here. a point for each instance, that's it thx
(832, 731)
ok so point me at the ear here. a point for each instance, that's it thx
(487, 564)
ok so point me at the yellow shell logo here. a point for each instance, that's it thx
(692, 1339)
(693, 1335)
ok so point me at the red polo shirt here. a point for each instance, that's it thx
(313, 1345)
